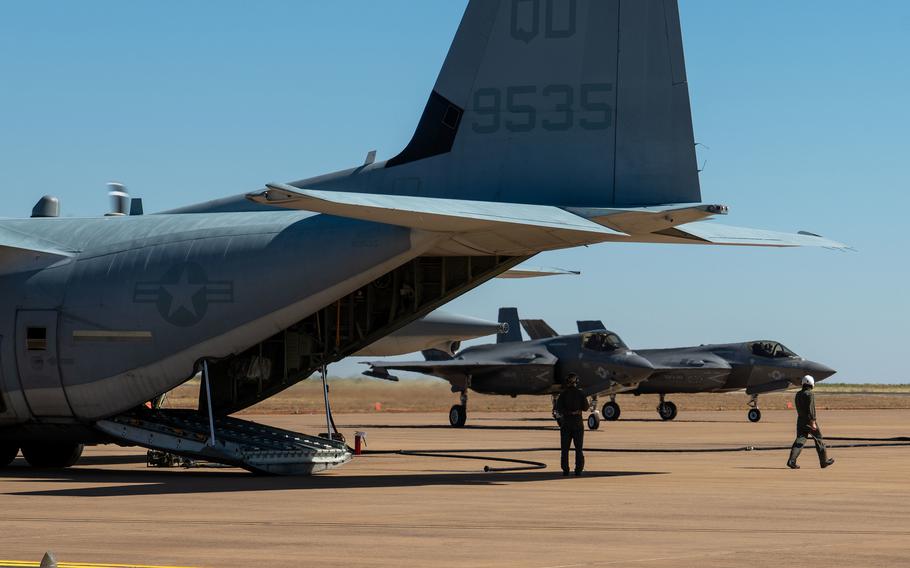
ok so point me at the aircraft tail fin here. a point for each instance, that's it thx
(538, 329)
(556, 102)
(590, 325)
(509, 316)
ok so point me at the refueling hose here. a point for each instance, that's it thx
(477, 454)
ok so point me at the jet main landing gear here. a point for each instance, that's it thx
(666, 409)
(458, 414)
(610, 411)
(754, 413)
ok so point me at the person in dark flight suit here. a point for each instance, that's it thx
(570, 406)
(806, 426)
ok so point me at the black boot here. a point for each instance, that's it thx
(792, 465)
(827, 462)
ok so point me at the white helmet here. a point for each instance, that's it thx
(809, 380)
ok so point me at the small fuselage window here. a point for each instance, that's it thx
(36, 339)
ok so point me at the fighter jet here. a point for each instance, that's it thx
(758, 367)
(551, 125)
(514, 367)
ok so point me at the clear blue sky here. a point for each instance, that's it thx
(804, 106)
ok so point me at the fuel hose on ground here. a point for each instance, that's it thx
(524, 465)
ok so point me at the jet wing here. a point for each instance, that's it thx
(448, 369)
(19, 253)
(481, 226)
(538, 329)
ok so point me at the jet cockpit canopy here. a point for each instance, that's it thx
(771, 350)
(602, 341)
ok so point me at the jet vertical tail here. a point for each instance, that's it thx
(509, 316)
(556, 102)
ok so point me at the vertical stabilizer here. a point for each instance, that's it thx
(590, 325)
(509, 316)
(559, 102)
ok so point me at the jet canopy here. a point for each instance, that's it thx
(602, 341)
(771, 350)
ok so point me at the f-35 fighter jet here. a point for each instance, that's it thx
(758, 367)
(514, 367)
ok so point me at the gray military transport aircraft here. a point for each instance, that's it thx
(551, 125)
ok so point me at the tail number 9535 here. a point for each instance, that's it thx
(552, 107)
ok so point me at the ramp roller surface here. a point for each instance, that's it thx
(254, 447)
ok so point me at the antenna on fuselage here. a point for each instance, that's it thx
(120, 199)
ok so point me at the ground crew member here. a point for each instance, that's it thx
(806, 426)
(570, 406)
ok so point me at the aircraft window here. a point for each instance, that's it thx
(771, 350)
(602, 342)
(36, 338)
(781, 352)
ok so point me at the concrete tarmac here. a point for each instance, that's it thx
(632, 508)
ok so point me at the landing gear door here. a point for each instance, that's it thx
(36, 360)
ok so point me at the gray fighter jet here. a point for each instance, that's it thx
(758, 367)
(515, 367)
(551, 125)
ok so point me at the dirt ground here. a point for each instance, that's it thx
(662, 494)
(363, 395)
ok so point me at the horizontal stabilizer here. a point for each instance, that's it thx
(538, 329)
(717, 234)
(643, 220)
(487, 227)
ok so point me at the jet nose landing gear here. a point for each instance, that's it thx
(593, 421)
(754, 413)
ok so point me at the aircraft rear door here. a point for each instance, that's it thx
(38, 366)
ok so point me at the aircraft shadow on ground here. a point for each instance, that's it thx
(151, 482)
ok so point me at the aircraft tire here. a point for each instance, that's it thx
(593, 422)
(610, 411)
(8, 453)
(667, 411)
(754, 415)
(52, 454)
(458, 415)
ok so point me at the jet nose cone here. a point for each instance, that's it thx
(637, 365)
(818, 371)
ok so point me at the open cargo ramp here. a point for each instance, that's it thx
(254, 447)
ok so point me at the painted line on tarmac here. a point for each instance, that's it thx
(33, 564)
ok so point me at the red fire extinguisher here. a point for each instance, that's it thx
(360, 442)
